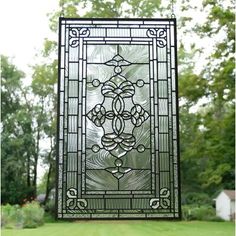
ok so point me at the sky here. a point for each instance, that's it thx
(24, 25)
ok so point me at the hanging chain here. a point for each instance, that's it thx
(172, 9)
(62, 8)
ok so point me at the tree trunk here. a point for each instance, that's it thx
(48, 187)
(28, 170)
(36, 162)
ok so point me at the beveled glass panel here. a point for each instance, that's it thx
(117, 119)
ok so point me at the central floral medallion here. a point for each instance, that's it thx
(121, 140)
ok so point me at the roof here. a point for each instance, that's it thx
(230, 194)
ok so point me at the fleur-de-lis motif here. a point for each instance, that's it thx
(118, 61)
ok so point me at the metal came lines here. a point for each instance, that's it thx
(118, 154)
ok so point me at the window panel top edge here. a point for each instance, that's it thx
(115, 19)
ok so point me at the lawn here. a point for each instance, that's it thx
(128, 228)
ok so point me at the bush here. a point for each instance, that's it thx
(50, 207)
(33, 215)
(28, 216)
(205, 212)
(193, 198)
(11, 216)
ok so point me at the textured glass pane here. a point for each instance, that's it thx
(163, 124)
(118, 203)
(135, 53)
(73, 88)
(136, 180)
(162, 71)
(100, 53)
(162, 89)
(72, 161)
(72, 142)
(72, 123)
(163, 107)
(164, 161)
(98, 74)
(137, 72)
(161, 54)
(100, 180)
(163, 142)
(99, 160)
(73, 106)
(74, 54)
(73, 71)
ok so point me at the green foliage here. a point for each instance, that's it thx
(33, 215)
(50, 207)
(11, 216)
(49, 47)
(44, 78)
(29, 216)
(202, 213)
(105, 9)
(195, 84)
(191, 198)
(24, 123)
(207, 134)
(17, 144)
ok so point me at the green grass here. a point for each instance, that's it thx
(127, 228)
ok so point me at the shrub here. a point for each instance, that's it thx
(28, 216)
(205, 212)
(33, 215)
(11, 216)
(50, 207)
(193, 198)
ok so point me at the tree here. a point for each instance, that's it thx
(43, 83)
(17, 138)
(208, 134)
(27, 119)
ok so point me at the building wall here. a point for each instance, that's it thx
(223, 206)
(232, 208)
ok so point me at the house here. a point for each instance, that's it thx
(41, 197)
(225, 204)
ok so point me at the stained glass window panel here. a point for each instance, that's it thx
(117, 119)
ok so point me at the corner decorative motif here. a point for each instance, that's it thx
(163, 202)
(73, 202)
(160, 35)
(75, 34)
